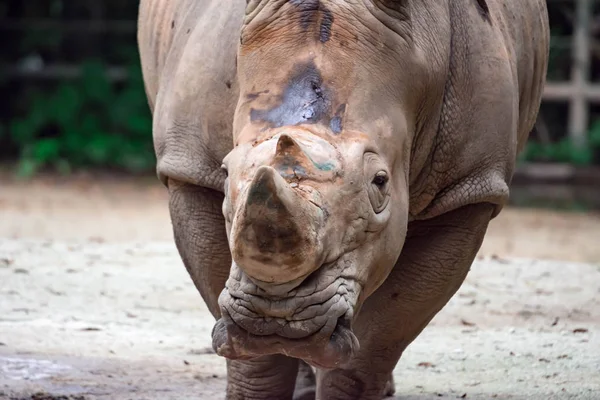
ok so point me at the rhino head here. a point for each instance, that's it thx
(316, 196)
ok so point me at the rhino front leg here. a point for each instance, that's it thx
(435, 260)
(200, 237)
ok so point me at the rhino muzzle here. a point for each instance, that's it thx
(312, 322)
(283, 295)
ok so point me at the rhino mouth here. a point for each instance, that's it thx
(311, 322)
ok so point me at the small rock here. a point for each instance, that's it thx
(580, 330)
(20, 271)
(90, 329)
(203, 351)
(498, 259)
(186, 362)
(425, 364)
(6, 262)
(54, 292)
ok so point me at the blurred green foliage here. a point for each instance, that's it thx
(88, 122)
(84, 121)
(561, 151)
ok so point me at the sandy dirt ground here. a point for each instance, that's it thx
(95, 304)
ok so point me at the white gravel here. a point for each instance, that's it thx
(123, 321)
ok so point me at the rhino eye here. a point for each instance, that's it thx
(379, 191)
(380, 180)
(377, 182)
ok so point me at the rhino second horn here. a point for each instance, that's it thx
(275, 231)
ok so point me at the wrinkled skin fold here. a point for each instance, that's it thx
(332, 168)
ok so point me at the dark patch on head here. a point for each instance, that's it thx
(304, 101)
(173, 24)
(336, 122)
(228, 84)
(326, 23)
(254, 96)
(394, 296)
(308, 11)
(290, 168)
(483, 9)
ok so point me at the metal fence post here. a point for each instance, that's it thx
(578, 110)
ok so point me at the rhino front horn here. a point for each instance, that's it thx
(275, 232)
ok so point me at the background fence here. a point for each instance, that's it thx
(72, 95)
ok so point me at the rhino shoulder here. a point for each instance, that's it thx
(491, 99)
(196, 92)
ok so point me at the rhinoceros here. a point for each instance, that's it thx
(332, 167)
